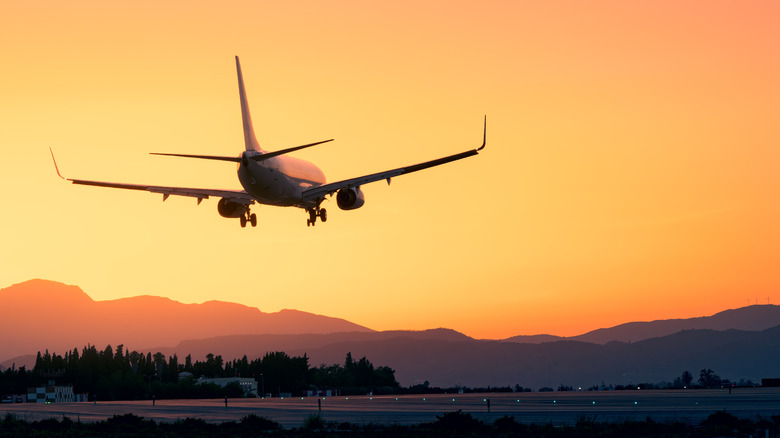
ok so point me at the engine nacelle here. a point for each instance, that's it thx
(350, 199)
(228, 208)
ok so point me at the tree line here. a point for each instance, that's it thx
(449, 424)
(116, 374)
(121, 375)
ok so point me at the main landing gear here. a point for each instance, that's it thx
(313, 213)
(248, 217)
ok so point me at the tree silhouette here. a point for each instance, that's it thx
(687, 378)
(119, 374)
(709, 378)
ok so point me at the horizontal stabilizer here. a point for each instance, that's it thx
(268, 155)
(261, 157)
(202, 157)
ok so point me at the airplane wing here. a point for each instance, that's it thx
(320, 192)
(237, 196)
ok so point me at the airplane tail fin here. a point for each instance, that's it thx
(250, 141)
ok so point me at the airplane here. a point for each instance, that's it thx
(273, 178)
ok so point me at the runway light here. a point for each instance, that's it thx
(594, 403)
(635, 403)
(423, 398)
(396, 399)
(453, 399)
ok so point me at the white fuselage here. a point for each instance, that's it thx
(279, 180)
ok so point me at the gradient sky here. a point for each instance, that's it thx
(631, 171)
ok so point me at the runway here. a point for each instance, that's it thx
(689, 406)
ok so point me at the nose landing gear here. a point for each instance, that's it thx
(314, 213)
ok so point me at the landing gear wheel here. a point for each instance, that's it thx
(308, 222)
(312, 217)
(253, 219)
(243, 221)
(324, 215)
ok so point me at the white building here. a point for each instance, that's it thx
(51, 394)
(249, 385)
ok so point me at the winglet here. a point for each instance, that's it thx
(250, 141)
(484, 136)
(55, 165)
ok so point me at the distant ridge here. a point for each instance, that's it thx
(739, 343)
(534, 339)
(750, 318)
(54, 316)
(257, 345)
(448, 360)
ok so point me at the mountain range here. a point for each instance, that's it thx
(739, 343)
(39, 315)
(446, 358)
(756, 317)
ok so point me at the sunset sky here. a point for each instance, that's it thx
(631, 169)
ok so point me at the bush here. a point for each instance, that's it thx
(723, 423)
(314, 422)
(127, 420)
(508, 424)
(259, 423)
(458, 422)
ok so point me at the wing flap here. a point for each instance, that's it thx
(237, 196)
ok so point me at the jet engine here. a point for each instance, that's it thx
(228, 208)
(350, 199)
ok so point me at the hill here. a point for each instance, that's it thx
(50, 315)
(739, 343)
(750, 318)
(446, 358)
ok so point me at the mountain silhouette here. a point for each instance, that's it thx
(58, 317)
(750, 318)
(739, 343)
(447, 359)
(257, 345)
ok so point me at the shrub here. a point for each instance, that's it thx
(314, 422)
(458, 421)
(259, 423)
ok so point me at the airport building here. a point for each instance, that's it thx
(51, 394)
(318, 393)
(770, 383)
(249, 385)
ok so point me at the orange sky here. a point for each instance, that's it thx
(630, 174)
